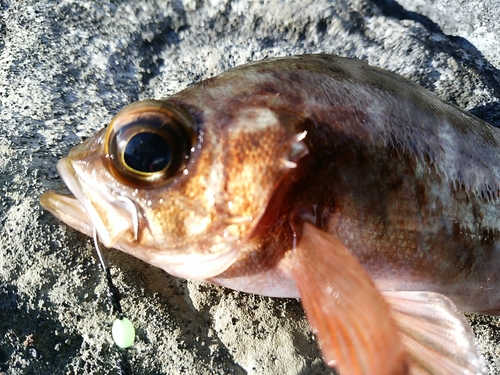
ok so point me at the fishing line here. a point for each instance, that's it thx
(123, 331)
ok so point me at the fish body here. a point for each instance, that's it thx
(316, 177)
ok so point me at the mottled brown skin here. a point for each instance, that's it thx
(378, 176)
(408, 183)
(316, 177)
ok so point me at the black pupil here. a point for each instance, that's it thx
(147, 152)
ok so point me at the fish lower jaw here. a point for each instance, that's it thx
(111, 222)
(68, 210)
(195, 266)
(71, 212)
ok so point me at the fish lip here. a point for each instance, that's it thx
(68, 209)
(75, 211)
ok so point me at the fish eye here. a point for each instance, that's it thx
(148, 143)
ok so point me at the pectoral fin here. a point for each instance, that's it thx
(437, 337)
(346, 311)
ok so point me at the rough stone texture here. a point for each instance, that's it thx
(475, 20)
(67, 66)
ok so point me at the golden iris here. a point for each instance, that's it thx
(147, 143)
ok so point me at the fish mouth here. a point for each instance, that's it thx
(77, 211)
(68, 210)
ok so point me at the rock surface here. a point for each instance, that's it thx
(68, 66)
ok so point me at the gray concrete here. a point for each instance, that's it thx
(66, 67)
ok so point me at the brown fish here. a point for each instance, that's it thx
(316, 177)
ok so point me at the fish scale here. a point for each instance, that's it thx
(317, 177)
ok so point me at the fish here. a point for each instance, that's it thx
(315, 177)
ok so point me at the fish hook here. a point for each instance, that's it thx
(98, 250)
(133, 210)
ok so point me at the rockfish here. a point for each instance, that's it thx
(318, 177)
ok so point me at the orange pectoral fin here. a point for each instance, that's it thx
(437, 337)
(346, 311)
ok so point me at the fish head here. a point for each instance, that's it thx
(177, 186)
